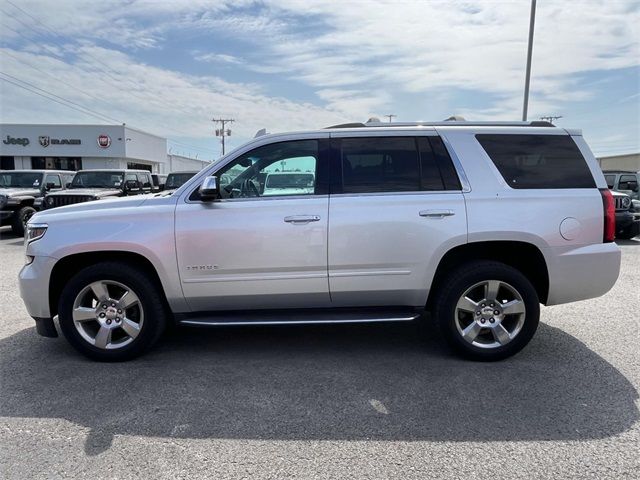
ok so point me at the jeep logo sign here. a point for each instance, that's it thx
(104, 141)
(16, 141)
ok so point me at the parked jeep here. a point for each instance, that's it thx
(177, 179)
(627, 219)
(625, 181)
(476, 223)
(21, 193)
(89, 185)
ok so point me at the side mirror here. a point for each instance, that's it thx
(209, 189)
(633, 186)
(49, 186)
(67, 185)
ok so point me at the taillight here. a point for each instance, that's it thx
(609, 233)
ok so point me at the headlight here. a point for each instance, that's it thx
(626, 202)
(49, 200)
(36, 231)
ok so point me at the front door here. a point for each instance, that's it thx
(263, 244)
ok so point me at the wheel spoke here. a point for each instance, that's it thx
(83, 314)
(471, 332)
(491, 290)
(103, 337)
(99, 289)
(514, 306)
(501, 335)
(466, 304)
(128, 300)
(130, 327)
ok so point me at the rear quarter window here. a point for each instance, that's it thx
(537, 161)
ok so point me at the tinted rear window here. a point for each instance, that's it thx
(538, 161)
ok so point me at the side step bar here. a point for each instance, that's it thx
(296, 317)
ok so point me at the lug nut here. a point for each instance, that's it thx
(119, 311)
(482, 320)
(478, 312)
(113, 304)
(483, 305)
(104, 305)
(108, 322)
(102, 315)
(117, 319)
(496, 312)
(491, 320)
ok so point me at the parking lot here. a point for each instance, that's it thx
(327, 402)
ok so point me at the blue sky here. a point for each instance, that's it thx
(169, 66)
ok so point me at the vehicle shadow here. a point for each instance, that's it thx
(635, 241)
(320, 383)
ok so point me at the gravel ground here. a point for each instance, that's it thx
(327, 402)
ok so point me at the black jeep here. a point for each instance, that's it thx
(21, 193)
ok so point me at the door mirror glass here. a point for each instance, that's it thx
(49, 186)
(209, 189)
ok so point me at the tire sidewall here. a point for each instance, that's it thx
(18, 224)
(153, 311)
(464, 278)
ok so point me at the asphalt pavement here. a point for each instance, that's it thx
(340, 402)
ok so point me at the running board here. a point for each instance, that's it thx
(296, 317)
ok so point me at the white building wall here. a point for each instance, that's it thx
(176, 163)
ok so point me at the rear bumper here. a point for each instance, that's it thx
(581, 273)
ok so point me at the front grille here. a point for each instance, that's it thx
(61, 200)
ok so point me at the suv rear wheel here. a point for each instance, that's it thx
(111, 312)
(487, 310)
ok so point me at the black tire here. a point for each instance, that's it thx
(20, 218)
(626, 234)
(456, 284)
(150, 299)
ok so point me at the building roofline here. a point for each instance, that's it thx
(617, 155)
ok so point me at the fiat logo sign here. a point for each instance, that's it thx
(104, 141)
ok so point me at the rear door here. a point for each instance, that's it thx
(396, 206)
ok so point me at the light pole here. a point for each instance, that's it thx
(532, 21)
(222, 132)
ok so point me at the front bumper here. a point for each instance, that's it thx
(33, 281)
(629, 222)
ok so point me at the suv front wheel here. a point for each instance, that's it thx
(111, 312)
(487, 310)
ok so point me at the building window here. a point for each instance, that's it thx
(56, 163)
(7, 163)
(139, 166)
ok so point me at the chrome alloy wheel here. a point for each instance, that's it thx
(490, 314)
(107, 314)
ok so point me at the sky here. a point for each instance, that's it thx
(168, 67)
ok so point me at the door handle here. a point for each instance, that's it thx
(301, 219)
(437, 213)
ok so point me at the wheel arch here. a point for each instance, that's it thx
(68, 266)
(523, 256)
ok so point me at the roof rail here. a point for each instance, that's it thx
(446, 123)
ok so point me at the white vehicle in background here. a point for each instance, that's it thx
(289, 183)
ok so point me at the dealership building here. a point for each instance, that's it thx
(77, 147)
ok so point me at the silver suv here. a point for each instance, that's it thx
(476, 223)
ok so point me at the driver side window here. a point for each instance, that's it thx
(278, 169)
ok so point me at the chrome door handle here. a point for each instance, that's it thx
(437, 213)
(301, 219)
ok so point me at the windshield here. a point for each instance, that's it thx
(175, 180)
(97, 180)
(20, 180)
(290, 180)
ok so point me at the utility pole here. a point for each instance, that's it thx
(391, 116)
(532, 21)
(223, 132)
(551, 118)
